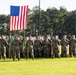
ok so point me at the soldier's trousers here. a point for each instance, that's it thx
(56, 53)
(16, 53)
(10, 52)
(72, 51)
(46, 52)
(3, 52)
(37, 52)
(64, 52)
(29, 52)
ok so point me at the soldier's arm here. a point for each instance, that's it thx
(26, 43)
(67, 41)
(6, 43)
(32, 44)
(59, 42)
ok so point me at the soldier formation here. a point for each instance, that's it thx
(37, 47)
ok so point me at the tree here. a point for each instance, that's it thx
(70, 23)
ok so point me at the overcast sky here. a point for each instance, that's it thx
(68, 4)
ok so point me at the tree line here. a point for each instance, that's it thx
(52, 21)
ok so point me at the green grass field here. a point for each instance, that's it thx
(47, 66)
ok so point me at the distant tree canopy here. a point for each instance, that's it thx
(52, 21)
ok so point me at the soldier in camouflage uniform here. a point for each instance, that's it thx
(37, 47)
(9, 40)
(29, 48)
(64, 44)
(46, 47)
(16, 48)
(3, 44)
(55, 44)
(72, 44)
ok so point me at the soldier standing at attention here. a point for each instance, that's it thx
(37, 47)
(46, 47)
(29, 48)
(64, 44)
(9, 40)
(16, 48)
(3, 44)
(72, 50)
(55, 44)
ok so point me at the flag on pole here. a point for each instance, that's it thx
(9, 40)
(18, 17)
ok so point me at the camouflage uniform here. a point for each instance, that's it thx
(55, 43)
(72, 50)
(46, 48)
(37, 48)
(16, 48)
(64, 44)
(29, 49)
(22, 54)
(3, 44)
(9, 47)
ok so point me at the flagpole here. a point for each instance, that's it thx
(24, 35)
(24, 41)
(39, 20)
(9, 42)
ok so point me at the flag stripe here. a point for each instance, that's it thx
(24, 18)
(27, 17)
(13, 22)
(19, 22)
(21, 16)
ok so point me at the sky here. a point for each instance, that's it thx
(70, 5)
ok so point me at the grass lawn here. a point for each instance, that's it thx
(47, 66)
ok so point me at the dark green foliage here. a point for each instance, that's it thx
(52, 21)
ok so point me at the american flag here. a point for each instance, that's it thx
(18, 17)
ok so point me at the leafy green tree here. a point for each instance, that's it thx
(70, 23)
